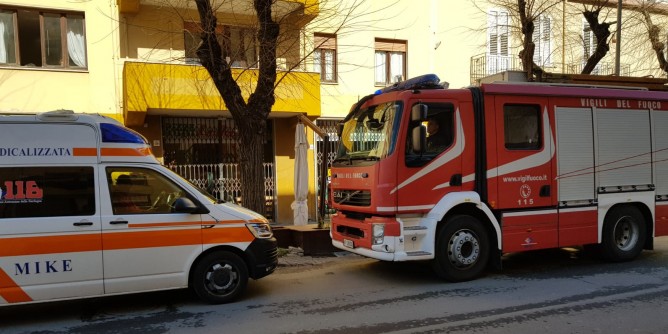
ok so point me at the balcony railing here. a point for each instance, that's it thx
(485, 65)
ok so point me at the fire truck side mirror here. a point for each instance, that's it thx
(339, 129)
(419, 138)
(419, 113)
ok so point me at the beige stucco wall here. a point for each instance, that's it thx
(95, 90)
(443, 36)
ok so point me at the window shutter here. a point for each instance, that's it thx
(322, 41)
(390, 45)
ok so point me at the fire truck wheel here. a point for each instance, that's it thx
(462, 249)
(623, 234)
(219, 277)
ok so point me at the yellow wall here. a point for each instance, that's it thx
(95, 90)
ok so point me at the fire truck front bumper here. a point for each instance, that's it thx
(375, 237)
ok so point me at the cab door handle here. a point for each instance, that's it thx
(118, 222)
(83, 224)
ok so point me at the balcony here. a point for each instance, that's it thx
(309, 9)
(178, 88)
(484, 65)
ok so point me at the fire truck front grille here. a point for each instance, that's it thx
(352, 197)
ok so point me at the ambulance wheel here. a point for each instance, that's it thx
(219, 277)
(462, 249)
(624, 234)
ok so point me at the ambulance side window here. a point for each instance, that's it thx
(522, 127)
(46, 191)
(141, 191)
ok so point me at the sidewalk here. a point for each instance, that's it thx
(294, 257)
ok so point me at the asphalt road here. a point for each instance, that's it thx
(556, 291)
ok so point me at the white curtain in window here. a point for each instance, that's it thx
(316, 62)
(329, 65)
(396, 67)
(76, 43)
(5, 21)
(381, 76)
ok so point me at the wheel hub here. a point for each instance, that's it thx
(221, 277)
(463, 249)
(626, 233)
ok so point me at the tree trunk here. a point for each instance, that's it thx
(251, 153)
(250, 117)
(602, 33)
(654, 32)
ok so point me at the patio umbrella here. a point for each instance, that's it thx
(299, 206)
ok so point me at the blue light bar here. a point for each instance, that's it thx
(112, 133)
(421, 82)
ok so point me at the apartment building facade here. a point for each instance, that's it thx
(134, 60)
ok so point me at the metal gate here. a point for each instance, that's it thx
(330, 127)
(204, 151)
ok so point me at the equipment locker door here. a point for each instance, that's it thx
(525, 148)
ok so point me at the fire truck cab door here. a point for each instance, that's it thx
(525, 148)
(424, 178)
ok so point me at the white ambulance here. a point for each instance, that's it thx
(86, 210)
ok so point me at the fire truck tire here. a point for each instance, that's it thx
(462, 249)
(219, 277)
(624, 233)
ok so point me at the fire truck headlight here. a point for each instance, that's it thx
(378, 233)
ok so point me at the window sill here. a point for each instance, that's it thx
(46, 69)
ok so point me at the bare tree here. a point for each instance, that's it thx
(646, 9)
(251, 115)
(600, 30)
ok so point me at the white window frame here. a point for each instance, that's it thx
(498, 57)
(542, 39)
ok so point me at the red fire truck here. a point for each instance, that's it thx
(518, 167)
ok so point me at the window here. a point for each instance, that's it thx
(239, 44)
(36, 38)
(324, 57)
(498, 53)
(390, 61)
(522, 127)
(46, 192)
(440, 131)
(141, 191)
(589, 40)
(542, 39)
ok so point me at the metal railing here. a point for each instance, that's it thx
(223, 181)
(484, 65)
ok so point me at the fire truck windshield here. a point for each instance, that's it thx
(370, 134)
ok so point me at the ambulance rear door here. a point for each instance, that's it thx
(50, 242)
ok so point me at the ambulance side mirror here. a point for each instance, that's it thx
(419, 138)
(419, 112)
(185, 205)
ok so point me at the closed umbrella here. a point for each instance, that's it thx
(299, 206)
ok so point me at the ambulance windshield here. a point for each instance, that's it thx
(370, 134)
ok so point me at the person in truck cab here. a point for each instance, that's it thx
(436, 139)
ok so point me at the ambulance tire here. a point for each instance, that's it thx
(624, 233)
(462, 249)
(219, 277)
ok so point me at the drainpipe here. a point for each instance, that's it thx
(619, 36)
